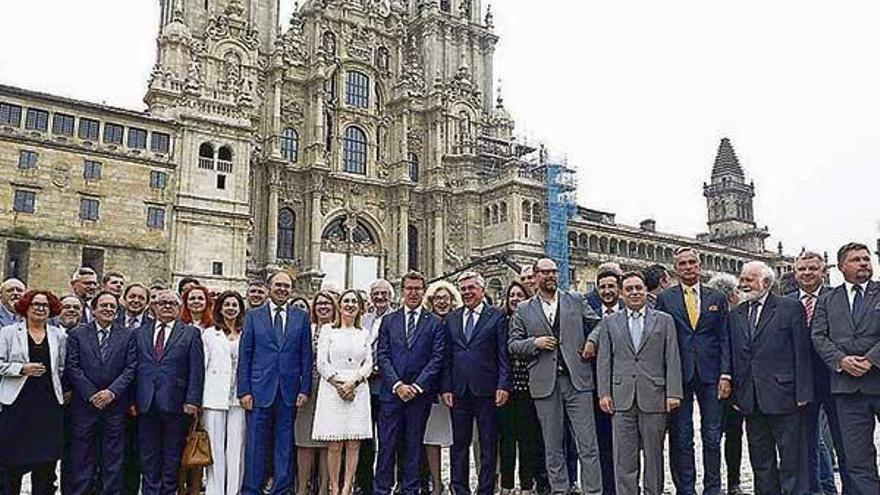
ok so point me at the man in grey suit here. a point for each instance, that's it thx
(639, 382)
(846, 335)
(550, 331)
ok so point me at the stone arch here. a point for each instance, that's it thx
(594, 243)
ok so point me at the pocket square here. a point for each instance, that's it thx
(713, 308)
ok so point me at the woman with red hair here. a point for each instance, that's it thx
(32, 356)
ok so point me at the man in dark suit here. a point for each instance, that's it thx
(846, 335)
(411, 351)
(477, 381)
(274, 378)
(100, 367)
(170, 378)
(700, 316)
(772, 378)
(809, 275)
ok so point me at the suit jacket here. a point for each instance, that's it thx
(420, 364)
(174, 379)
(821, 376)
(645, 376)
(268, 364)
(529, 322)
(480, 365)
(836, 335)
(7, 317)
(218, 369)
(145, 319)
(14, 354)
(705, 350)
(87, 374)
(772, 369)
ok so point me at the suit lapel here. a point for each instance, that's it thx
(869, 301)
(538, 308)
(176, 332)
(265, 313)
(650, 321)
(92, 339)
(767, 314)
(480, 324)
(841, 299)
(741, 312)
(681, 306)
(620, 321)
(704, 305)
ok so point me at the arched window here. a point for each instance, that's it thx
(612, 246)
(412, 163)
(502, 212)
(354, 151)
(286, 224)
(594, 243)
(487, 216)
(412, 237)
(536, 212)
(206, 156)
(603, 245)
(382, 58)
(446, 5)
(357, 89)
(572, 239)
(527, 211)
(464, 126)
(224, 159)
(328, 131)
(289, 144)
(494, 214)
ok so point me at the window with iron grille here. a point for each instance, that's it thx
(36, 120)
(10, 114)
(160, 142)
(137, 138)
(357, 89)
(113, 133)
(88, 209)
(91, 170)
(27, 159)
(24, 201)
(62, 124)
(89, 129)
(354, 151)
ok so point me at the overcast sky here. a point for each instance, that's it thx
(637, 94)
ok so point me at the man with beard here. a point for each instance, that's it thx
(550, 330)
(11, 291)
(846, 335)
(772, 378)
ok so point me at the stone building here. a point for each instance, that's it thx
(362, 139)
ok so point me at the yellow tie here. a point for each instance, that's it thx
(690, 302)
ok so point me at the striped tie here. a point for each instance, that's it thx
(102, 344)
(809, 302)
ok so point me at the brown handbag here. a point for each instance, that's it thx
(197, 451)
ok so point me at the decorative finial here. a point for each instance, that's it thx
(490, 19)
(499, 101)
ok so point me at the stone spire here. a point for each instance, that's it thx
(726, 162)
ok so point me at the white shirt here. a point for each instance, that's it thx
(632, 313)
(609, 311)
(696, 288)
(272, 309)
(763, 301)
(138, 320)
(851, 294)
(550, 307)
(168, 327)
(467, 311)
(815, 293)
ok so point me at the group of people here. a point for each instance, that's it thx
(345, 392)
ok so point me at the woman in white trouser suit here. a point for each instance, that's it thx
(222, 415)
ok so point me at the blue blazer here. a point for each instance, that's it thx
(705, 350)
(269, 365)
(481, 365)
(772, 370)
(421, 364)
(86, 374)
(821, 373)
(175, 379)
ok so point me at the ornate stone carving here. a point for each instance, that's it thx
(359, 43)
(291, 112)
(293, 43)
(462, 88)
(232, 24)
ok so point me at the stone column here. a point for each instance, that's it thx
(272, 227)
(315, 222)
(402, 231)
(439, 238)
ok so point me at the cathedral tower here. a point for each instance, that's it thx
(730, 203)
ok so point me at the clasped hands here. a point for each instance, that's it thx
(345, 389)
(855, 365)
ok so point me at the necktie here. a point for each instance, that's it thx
(102, 344)
(278, 324)
(636, 326)
(858, 303)
(690, 303)
(809, 302)
(132, 320)
(753, 317)
(410, 328)
(159, 346)
(609, 311)
(469, 326)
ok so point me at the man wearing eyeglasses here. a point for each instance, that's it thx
(170, 379)
(550, 330)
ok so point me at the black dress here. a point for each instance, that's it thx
(32, 428)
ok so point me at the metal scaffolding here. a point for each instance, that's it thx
(561, 185)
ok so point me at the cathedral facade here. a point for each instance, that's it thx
(363, 139)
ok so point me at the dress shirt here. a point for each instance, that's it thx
(550, 307)
(272, 309)
(850, 293)
(815, 293)
(406, 310)
(639, 314)
(168, 327)
(138, 320)
(610, 310)
(476, 311)
(106, 329)
(762, 301)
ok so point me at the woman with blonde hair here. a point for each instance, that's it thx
(323, 312)
(441, 298)
(342, 409)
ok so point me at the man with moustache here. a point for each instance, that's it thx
(256, 293)
(381, 294)
(772, 378)
(701, 321)
(809, 275)
(100, 368)
(846, 335)
(550, 330)
(274, 379)
(11, 291)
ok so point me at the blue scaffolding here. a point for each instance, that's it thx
(561, 205)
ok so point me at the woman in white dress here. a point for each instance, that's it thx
(342, 411)
(323, 312)
(222, 415)
(441, 298)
